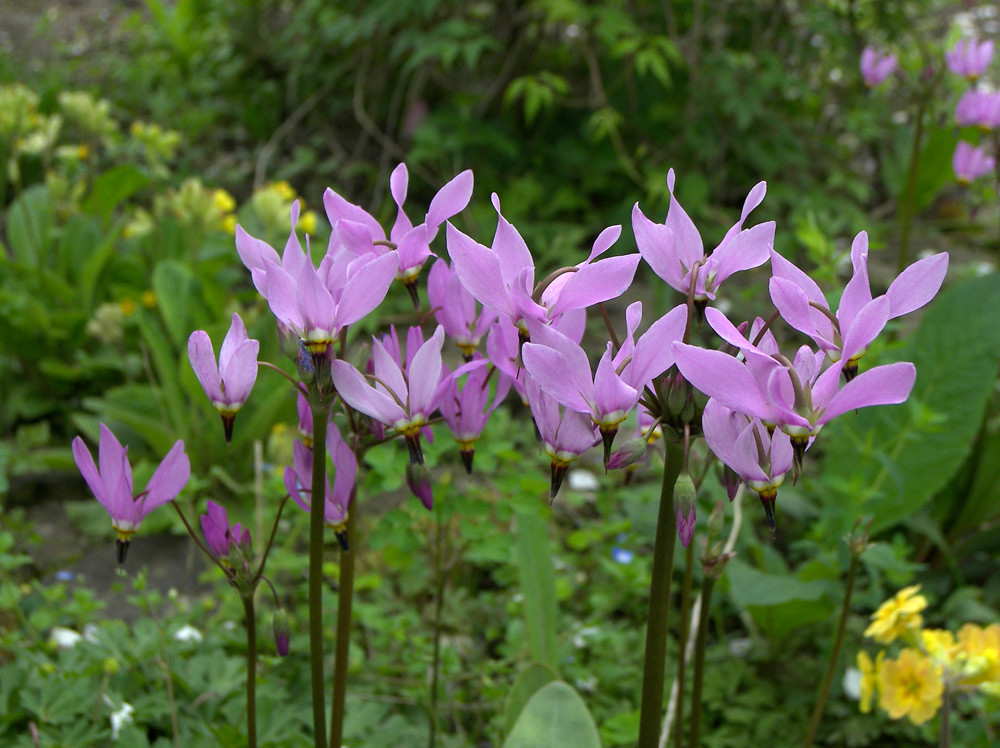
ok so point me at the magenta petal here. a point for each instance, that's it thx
(236, 336)
(605, 240)
(479, 270)
(113, 463)
(917, 285)
(782, 268)
(338, 209)
(793, 306)
(315, 304)
(202, 359)
(355, 237)
(611, 394)
(654, 352)
(449, 200)
(868, 323)
(747, 249)
(168, 480)
(253, 252)
(596, 282)
(557, 376)
(689, 247)
(398, 181)
(686, 524)
(413, 248)
(291, 485)
(85, 462)
(241, 373)
(282, 291)
(723, 377)
(656, 245)
(782, 454)
(746, 457)
(424, 373)
(509, 247)
(883, 385)
(366, 289)
(387, 371)
(354, 390)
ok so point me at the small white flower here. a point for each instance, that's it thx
(852, 683)
(581, 636)
(90, 633)
(582, 480)
(740, 646)
(64, 638)
(187, 633)
(120, 718)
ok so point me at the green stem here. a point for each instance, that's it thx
(707, 585)
(908, 208)
(682, 644)
(320, 415)
(345, 599)
(438, 607)
(654, 665)
(251, 670)
(944, 735)
(838, 642)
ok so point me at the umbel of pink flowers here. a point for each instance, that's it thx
(519, 332)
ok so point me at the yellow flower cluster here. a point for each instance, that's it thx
(913, 683)
(272, 203)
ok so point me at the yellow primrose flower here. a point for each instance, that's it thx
(869, 679)
(940, 646)
(898, 616)
(910, 686)
(284, 189)
(228, 224)
(148, 299)
(307, 222)
(224, 202)
(127, 306)
(982, 648)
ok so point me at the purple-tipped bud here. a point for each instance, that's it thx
(684, 501)
(627, 454)
(767, 498)
(282, 637)
(418, 481)
(730, 481)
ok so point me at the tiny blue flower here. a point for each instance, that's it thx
(622, 556)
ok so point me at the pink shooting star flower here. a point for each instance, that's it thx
(876, 66)
(467, 409)
(979, 108)
(760, 457)
(228, 383)
(298, 481)
(112, 484)
(256, 253)
(223, 538)
(794, 396)
(859, 318)
(402, 398)
(969, 58)
(562, 369)
(502, 278)
(305, 420)
(455, 309)
(674, 249)
(359, 233)
(565, 434)
(970, 163)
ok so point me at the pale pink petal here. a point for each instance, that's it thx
(596, 282)
(868, 323)
(282, 296)
(236, 336)
(509, 247)
(611, 394)
(353, 389)
(449, 201)
(424, 374)
(689, 247)
(654, 352)
(724, 378)
(338, 209)
(883, 385)
(917, 285)
(479, 270)
(365, 290)
(241, 372)
(202, 359)
(605, 240)
(85, 462)
(168, 480)
(656, 245)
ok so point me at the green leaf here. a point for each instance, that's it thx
(554, 716)
(29, 226)
(890, 461)
(779, 603)
(112, 188)
(530, 680)
(538, 587)
(179, 299)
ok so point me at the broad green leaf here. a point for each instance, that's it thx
(178, 296)
(112, 188)
(530, 680)
(779, 603)
(29, 226)
(554, 716)
(890, 461)
(538, 587)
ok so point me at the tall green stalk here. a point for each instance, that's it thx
(944, 732)
(248, 611)
(654, 666)
(682, 640)
(345, 601)
(438, 608)
(838, 642)
(700, 644)
(908, 208)
(320, 416)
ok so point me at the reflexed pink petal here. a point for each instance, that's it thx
(202, 359)
(282, 292)
(413, 248)
(567, 376)
(596, 282)
(449, 201)
(291, 485)
(479, 270)
(721, 427)
(113, 463)
(724, 378)
(356, 237)
(509, 247)
(605, 240)
(366, 289)
(236, 336)
(610, 392)
(576, 433)
(746, 457)
(793, 306)
(354, 390)
(782, 453)
(253, 252)
(315, 303)
(398, 182)
(748, 249)
(241, 373)
(168, 480)
(388, 371)
(917, 285)
(782, 268)
(85, 462)
(544, 409)
(689, 247)
(654, 352)
(338, 209)
(868, 323)
(656, 244)
(883, 385)
(425, 373)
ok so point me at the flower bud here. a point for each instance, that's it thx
(418, 481)
(282, 638)
(628, 453)
(684, 502)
